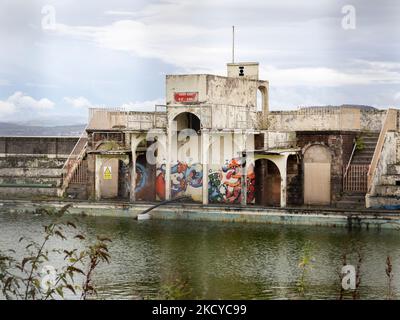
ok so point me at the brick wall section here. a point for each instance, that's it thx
(37, 145)
(340, 143)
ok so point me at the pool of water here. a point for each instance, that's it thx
(216, 260)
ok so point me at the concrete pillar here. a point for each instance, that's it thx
(247, 146)
(244, 180)
(134, 141)
(205, 136)
(170, 134)
(283, 171)
(97, 177)
(132, 197)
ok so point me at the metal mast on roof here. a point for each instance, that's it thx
(233, 44)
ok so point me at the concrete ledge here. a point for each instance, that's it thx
(289, 216)
(26, 192)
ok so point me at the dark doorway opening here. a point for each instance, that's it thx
(267, 184)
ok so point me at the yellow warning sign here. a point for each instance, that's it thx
(107, 173)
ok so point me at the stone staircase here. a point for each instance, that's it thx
(384, 189)
(387, 193)
(363, 157)
(30, 176)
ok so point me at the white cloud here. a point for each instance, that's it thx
(151, 40)
(397, 96)
(20, 100)
(20, 105)
(79, 102)
(4, 82)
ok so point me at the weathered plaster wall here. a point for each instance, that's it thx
(279, 139)
(214, 89)
(222, 102)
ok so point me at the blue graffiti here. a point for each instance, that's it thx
(141, 173)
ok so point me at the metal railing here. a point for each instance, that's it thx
(348, 163)
(80, 174)
(355, 178)
(73, 162)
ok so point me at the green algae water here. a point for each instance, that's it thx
(216, 260)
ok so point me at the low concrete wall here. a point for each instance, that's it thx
(50, 146)
(292, 216)
(326, 118)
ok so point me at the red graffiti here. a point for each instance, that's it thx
(160, 183)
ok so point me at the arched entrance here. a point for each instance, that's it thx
(267, 183)
(186, 171)
(317, 175)
(187, 120)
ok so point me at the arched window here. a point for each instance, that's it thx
(262, 99)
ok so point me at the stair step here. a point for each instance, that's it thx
(362, 157)
(21, 181)
(388, 190)
(27, 192)
(353, 198)
(390, 179)
(76, 191)
(393, 169)
(30, 172)
(350, 205)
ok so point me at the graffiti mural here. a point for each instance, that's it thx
(187, 180)
(225, 184)
(145, 180)
(251, 184)
(160, 182)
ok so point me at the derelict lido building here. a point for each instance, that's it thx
(216, 142)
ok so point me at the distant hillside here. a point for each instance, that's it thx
(11, 129)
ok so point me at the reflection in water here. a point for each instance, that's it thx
(223, 260)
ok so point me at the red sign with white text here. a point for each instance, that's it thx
(186, 96)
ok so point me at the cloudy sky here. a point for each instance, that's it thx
(58, 58)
